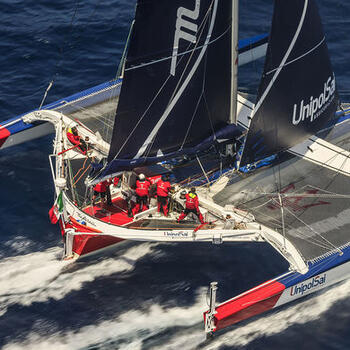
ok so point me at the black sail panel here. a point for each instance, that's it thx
(297, 94)
(176, 86)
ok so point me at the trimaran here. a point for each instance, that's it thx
(276, 171)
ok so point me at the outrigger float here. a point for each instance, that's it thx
(276, 172)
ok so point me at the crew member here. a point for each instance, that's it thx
(116, 180)
(76, 140)
(191, 206)
(142, 187)
(100, 190)
(163, 188)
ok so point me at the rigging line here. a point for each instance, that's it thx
(299, 57)
(337, 173)
(298, 194)
(205, 99)
(313, 230)
(143, 115)
(311, 240)
(277, 223)
(86, 158)
(179, 54)
(205, 174)
(190, 124)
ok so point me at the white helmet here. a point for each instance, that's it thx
(142, 177)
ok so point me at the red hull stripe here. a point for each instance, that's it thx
(249, 304)
(4, 134)
(82, 228)
(85, 244)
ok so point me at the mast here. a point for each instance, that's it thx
(234, 63)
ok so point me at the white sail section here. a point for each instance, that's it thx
(321, 152)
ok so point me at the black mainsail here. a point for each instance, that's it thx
(297, 94)
(176, 91)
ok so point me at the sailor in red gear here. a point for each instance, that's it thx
(163, 188)
(116, 181)
(153, 189)
(100, 190)
(142, 187)
(191, 206)
(75, 139)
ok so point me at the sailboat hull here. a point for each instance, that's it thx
(282, 290)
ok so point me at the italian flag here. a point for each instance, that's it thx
(56, 210)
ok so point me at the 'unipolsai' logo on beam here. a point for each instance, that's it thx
(190, 33)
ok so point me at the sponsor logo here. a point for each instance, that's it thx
(316, 105)
(306, 286)
(84, 218)
(184, 29)
(176, 234)
(299, 202)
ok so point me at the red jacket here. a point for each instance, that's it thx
(163, 188)
(101, 186)
(116, 181)
(74, 139)
(192, 201)
(142, 188)
(154, 179)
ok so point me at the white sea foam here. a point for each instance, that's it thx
(128, 329)
(132, 327)
(39, 276)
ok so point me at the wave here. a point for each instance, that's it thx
(40, 276)
(162, 328)
(127, 331)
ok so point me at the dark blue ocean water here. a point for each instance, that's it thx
(143, 296)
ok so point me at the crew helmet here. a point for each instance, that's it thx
(183, 194)
(142, 177)
(193, 190)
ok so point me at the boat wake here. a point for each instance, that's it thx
(162, 328)
(40, 276)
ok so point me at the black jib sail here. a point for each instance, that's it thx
(176, 89)
(297, 94)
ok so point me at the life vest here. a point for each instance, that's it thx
(192, 201)
(142, 188)
(163, 188)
